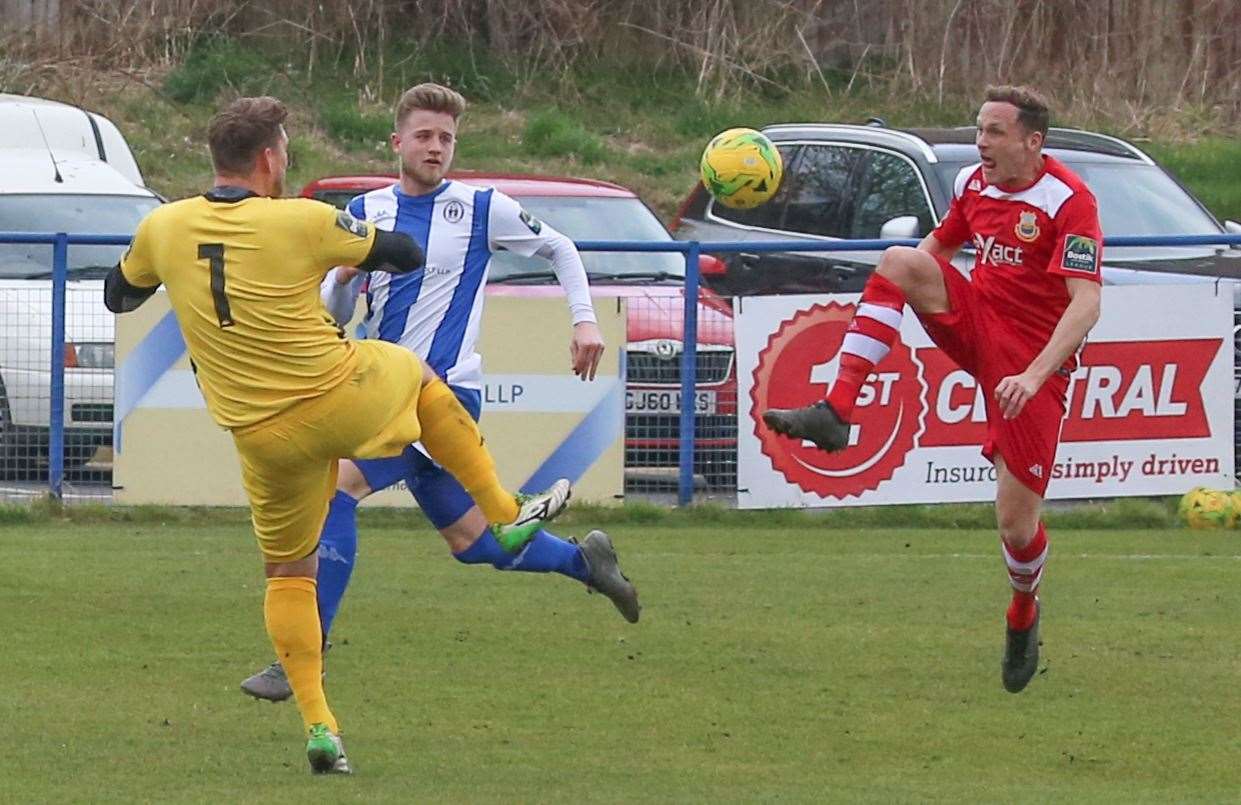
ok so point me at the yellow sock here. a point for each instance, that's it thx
(452, 438)
(292, 617)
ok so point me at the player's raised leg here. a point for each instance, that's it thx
(1023, 542)
(524, 546)
(472, 542)
(904, 275)
(451, 437)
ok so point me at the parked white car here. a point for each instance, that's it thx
(61, 170)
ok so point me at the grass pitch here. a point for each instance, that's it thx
(780, 664)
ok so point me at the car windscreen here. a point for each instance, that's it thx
(75, 214)
(584, 218)
(1134, 199)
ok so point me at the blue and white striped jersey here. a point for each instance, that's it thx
(436, 312)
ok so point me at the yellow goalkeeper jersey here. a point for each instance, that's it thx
(242, 273)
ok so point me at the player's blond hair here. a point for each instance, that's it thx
(240, 132)
(429, 98)
(1032, 110)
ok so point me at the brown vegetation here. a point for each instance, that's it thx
(1120, 59)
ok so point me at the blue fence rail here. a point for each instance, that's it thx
(691, 250)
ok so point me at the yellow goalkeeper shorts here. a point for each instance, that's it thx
(289, 462)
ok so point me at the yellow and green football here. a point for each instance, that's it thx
(1208, 508)
(741, 168)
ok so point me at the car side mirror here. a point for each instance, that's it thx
(902, 226)
(1233, 228)
(710, 266)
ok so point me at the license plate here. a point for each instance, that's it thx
(646, 401)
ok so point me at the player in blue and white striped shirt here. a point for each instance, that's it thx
(436, 314)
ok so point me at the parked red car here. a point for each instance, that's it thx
(652, 285)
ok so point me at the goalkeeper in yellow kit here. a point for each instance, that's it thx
(242, 268)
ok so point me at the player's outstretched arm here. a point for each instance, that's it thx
(120, 296)
(586, 346)
(394, 252)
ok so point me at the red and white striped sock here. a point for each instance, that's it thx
(1025, 571)
(875, 327)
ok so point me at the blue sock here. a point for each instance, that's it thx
(544, 553)
(338, 548)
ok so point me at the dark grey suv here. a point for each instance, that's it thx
(871, 181)
(843, 181)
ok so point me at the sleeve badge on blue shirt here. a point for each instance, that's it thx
(532, 223)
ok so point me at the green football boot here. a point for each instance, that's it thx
(535, 512)
(325, 751)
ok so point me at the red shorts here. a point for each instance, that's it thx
(978, 339)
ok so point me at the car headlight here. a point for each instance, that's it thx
(95, 356)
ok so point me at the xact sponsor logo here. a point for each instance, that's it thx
(991, 252)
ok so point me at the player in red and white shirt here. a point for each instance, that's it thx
(1016, 325)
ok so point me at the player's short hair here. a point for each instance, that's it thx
(240, 132)
(429, 98)
(1032, 111)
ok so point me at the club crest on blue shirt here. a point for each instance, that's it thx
(1027, 227)
(534, 224)
(352, 225)
(454, 211)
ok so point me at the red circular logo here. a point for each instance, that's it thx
(796, 368)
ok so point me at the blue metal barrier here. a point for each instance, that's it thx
(56, 434)
(61, 242)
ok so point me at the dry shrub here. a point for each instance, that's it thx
(1127, 60)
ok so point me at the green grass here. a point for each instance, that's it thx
(771, 664)
(344, 122)
(552, 133)
(216, 64)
